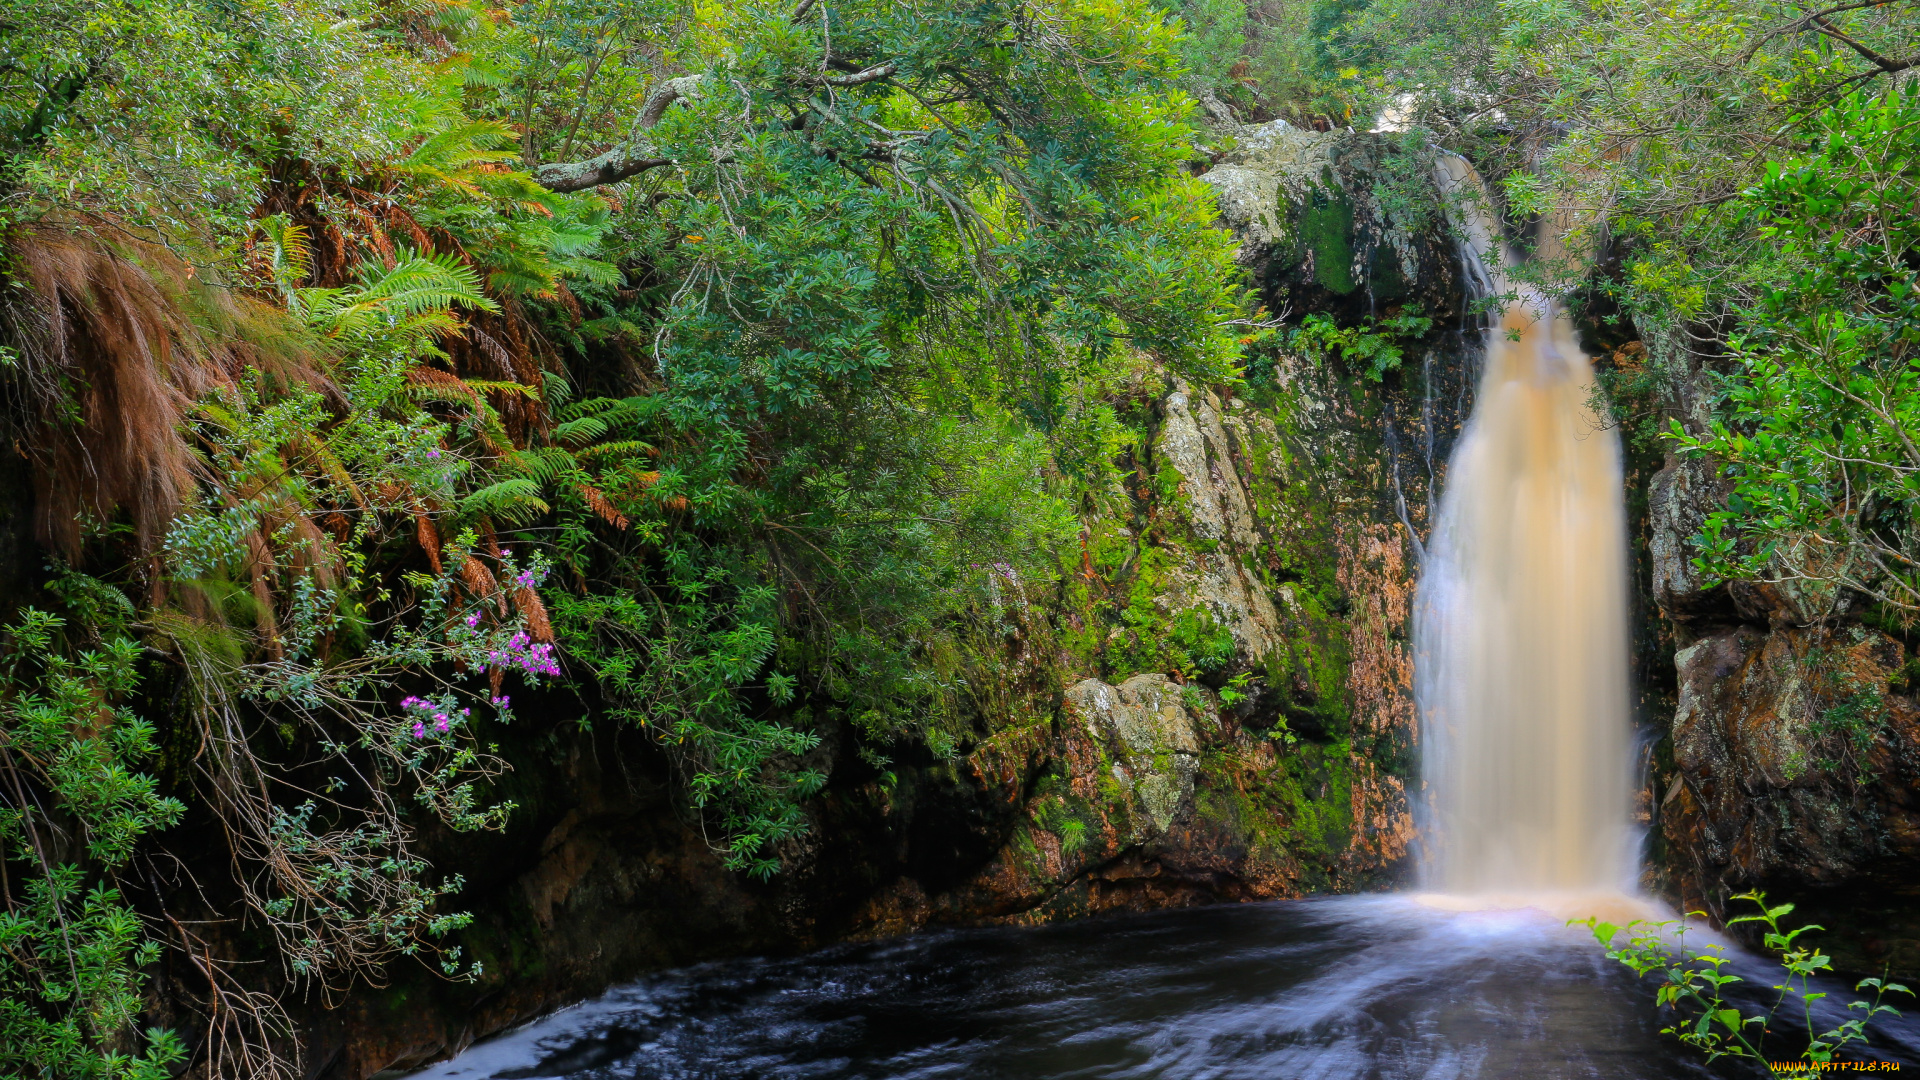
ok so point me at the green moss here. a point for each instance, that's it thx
(1295, 811)
(1166, 488)
(1024, 854)
(1325, 228)
(1112, 792)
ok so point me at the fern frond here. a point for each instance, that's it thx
(592, 270)
(479, 73)
(502, 386)
(446, 382)
(462, 145)
(419, 283)
(412, 302)
(544, 464)
(598, 502)
(289, 255)
(516, 501)
(626, 448)
(583, 430)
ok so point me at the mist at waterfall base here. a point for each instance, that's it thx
(1520, 645)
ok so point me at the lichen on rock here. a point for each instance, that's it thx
(1149, 725)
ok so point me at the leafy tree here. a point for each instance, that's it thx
(70, 947)
(1820, 418)
(723, 362)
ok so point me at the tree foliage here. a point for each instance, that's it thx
(1820, 418)
(724, 443)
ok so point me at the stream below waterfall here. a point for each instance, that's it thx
(1334, 988)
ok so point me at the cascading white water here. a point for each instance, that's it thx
(1520, 633)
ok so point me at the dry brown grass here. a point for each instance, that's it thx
(107, 373)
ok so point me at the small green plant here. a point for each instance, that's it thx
(1692, 982)
(1236, 690)
(73, 953)
(1199, 642)
(1858, 720)
(1073, 835)
(1373, 346)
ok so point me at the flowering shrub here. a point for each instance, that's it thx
(533, 660)
(502, 650)
(430, 718)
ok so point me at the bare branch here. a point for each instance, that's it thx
(1885, 64)
(630, 158)
(609, 168)
(878, 71)
(666, 94)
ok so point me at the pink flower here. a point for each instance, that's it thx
(419, 730)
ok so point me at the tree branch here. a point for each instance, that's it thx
(637, 155)
(630, 158)
(611, 167)
(878, 71)
(1801, 24)
(1889, 66)
(668, 92)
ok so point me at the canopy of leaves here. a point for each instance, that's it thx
(724, 448)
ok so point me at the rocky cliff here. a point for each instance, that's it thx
(1212, 703)
(1792, 761)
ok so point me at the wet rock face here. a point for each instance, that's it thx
(1796, 771)
(1193, 440)
(1795, 748)
(1679, 498)
(1147, 728)
(1340, 222)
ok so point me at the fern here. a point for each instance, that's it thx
(624, 448)
(408, 305)
(450, 155)
(582, 430)
(289, 255)
(544, 465)
(496, 386)
(421, 283)
(516, 501)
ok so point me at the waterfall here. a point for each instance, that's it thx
(1520, 632)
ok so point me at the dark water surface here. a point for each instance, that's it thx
(1338, 988)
